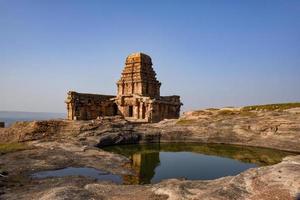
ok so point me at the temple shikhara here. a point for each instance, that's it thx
(138, 96)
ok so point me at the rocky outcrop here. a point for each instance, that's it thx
(273, 129)
(53, 129)
(57, 144)
(280, 181)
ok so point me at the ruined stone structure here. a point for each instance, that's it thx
(2, 124)
(138, 96)
(83, 106)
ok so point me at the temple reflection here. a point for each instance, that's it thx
(146, 158)
(144, 165)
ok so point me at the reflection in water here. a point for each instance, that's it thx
(144, 165)
(154, 162)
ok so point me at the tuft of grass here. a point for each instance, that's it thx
(227, 112)
(212, 109)
(186, 121)
(12, 147)
(244, 113)
(200, 112)
(270, 107)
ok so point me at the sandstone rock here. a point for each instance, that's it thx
(61, 143)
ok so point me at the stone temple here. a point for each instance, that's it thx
(138, 96)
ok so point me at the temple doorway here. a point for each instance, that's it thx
(130, 111)
(143, 111)
(115, 109)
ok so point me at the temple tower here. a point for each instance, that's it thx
(138, 77)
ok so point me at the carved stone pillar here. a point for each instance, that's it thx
(136, 111)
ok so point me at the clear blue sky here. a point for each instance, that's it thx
(212, 53)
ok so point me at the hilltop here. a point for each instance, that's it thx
(56, 144)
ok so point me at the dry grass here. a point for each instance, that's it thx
(201, 112)
(186, 121)
(227, 112)
(12, 147)
(244, 113)
(271, 107)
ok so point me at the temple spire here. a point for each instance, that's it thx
(138, 77)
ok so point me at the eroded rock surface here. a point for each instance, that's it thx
(57, 144)
(280, 181)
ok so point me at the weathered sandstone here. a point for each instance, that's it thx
(56, 144)
(138, 96)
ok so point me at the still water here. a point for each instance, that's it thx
(152, 163)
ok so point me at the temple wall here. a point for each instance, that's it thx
(134, 106)
(166, 108)
(90, 106)
(83, 106)
(149, 109)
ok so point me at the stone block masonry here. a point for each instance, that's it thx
(138, 96)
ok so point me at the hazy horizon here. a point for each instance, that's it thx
(22, 111)
(9, 117)
(211, 53)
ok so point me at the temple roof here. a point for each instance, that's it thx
(138, 57)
